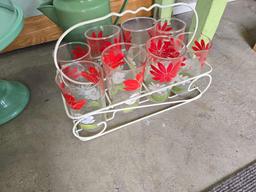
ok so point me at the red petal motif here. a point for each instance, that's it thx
(201, 50)
(134, 84)
(127, 36)
(99, 45)
(91, 75)
(163, 74)
(79, 104)
(73, 103)
(164, 27)
(200, 46)
(78, 52)
(72, 73)
(131, 85)
(164, 48)
(114, 58)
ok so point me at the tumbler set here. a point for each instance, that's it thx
(121, 74)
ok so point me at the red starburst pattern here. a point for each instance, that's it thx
(200, 46)
(114, 57)
(127, 36)
(79, 52)
(182, 37)
(165, 74)
(92, 75)
(99, 45)
(163, 48)
(71, 72)
(163, 27)
(183, 61)
(133, 84)
(73, 102)
(201, 50)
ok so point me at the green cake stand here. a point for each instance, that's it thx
(14, 96)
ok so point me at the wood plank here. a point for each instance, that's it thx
(132, 5)
(39, 29)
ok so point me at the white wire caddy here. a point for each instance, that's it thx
(112, 111)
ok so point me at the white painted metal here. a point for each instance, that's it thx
(144, 101)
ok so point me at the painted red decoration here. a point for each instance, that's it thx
(127, 37)
(200, 46)
(201, 50)
(183, 62)
(73, 73)
(92, 75)
(114, 57)
(78, 52)
(133, 84)
(73, 103)
(99, 45)
(163, 74)
(99, 35)
(163, 48)
(164, 27)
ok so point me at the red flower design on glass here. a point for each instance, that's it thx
(181, 37)
(183, 62)
(114, 57)
(71, 72)
(133, 84)
(78, 52)
(73, 102)
(99, 35)
(164, 27)
(165, 74)
(105, 44)
(99, 45)
(92, 75)
(164, 49)
(200, 46)
(201, 50)
(127, 37)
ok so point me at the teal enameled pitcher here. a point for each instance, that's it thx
(66, 13)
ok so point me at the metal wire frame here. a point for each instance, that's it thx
(112, 108)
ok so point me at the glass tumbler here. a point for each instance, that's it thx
(165, 58)
(83, 91)
(100, 37)
(72, 52)
(170, 26)
(198, 50)
(124, 65)
(138, 30)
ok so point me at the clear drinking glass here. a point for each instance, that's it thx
(83, 91)
(165, 58)
(72, 52)
(100, 37)
(124, 65)
(170, 26)
(199, 49)
(138, 30)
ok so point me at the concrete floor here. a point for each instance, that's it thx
(183, 150)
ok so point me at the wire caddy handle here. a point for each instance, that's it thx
(193, 91)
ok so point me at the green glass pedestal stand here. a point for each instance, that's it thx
(14, 96)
